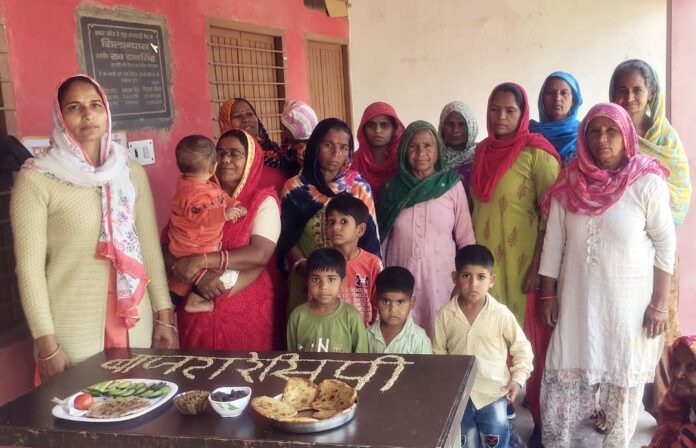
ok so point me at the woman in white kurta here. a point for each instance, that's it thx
(607, 259)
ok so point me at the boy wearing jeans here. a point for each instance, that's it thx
(474, 323)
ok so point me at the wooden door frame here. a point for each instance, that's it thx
(346, 68)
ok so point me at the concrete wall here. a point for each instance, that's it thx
(419, 55)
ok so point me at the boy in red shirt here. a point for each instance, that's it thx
(199, 211)
(346, 222)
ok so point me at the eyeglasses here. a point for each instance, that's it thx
(233, 154)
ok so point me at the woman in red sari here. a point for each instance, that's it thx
(245, 317)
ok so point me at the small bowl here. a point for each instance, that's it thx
(192, 402)
(232, 408)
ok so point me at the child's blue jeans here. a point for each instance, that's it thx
(487, 427)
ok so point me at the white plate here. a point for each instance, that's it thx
(59, 412)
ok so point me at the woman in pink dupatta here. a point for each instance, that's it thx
(606, 264)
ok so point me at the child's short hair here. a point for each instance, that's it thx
(476, 255)
(195, 153)
(327, 259)
(349, 205)
(395, 279)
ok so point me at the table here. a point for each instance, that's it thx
(409, 401)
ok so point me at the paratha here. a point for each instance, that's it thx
(117, 407)
(323, 415)
(297, 419)
(334, 395)
(272, 408)
(300, 393)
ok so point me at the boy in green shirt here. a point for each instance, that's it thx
(326, 323)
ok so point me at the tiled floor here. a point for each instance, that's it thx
(586, 436)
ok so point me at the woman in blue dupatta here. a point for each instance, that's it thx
(559, 101)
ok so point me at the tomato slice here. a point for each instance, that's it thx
(83, 401)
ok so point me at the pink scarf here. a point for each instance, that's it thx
(582, 187)
(66, 161)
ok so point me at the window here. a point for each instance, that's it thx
(11, 316)
(247, 64)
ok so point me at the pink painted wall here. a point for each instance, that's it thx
(682, 95)
(43, 44)
(43, 50)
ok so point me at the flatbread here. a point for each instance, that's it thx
(272, 408)
(117, 407)
(297, 419)
(323, 415)
(334, 395)
(300, 393)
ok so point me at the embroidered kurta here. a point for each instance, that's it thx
(508, 224)
(424, 239)
(604, 265)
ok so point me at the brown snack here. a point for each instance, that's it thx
(272, 408)
(323, 415)
(300, 393)
(118, 407)
(334, 395)
(297, 419)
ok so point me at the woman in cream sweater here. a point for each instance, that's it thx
(89, 266)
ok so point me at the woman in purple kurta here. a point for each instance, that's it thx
(423, 219)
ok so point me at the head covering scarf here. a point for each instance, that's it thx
(494, 157)
(582, 187)
(66, 161)
(405, 190)
(562, 133)
(252, 169)
(673, 423)
(272, 153)
(307, 193)
(454, 158)
(299, 118)
(663, 142)
(364, 163)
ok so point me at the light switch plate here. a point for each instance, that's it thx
(142, 151)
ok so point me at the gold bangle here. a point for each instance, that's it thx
(164, 324)
(51, 356)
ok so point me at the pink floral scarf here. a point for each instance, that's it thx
(66, 161)
(582, 187)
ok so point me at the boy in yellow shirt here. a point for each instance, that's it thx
(474, 323)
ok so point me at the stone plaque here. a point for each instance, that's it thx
(127, 58)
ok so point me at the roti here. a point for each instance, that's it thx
(297, 419)
(300, 393)
(323, 415)
(272, 408)
(117, 407)
(334, 395)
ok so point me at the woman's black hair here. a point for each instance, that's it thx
(509, 87)
(63, 89)
(634, 65)
(236, 133)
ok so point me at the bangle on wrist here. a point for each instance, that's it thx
(224, 259)
(205, 260)
(49, 357)
(548, 297)
(654, 308)
(296, 263)
(164, 324)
